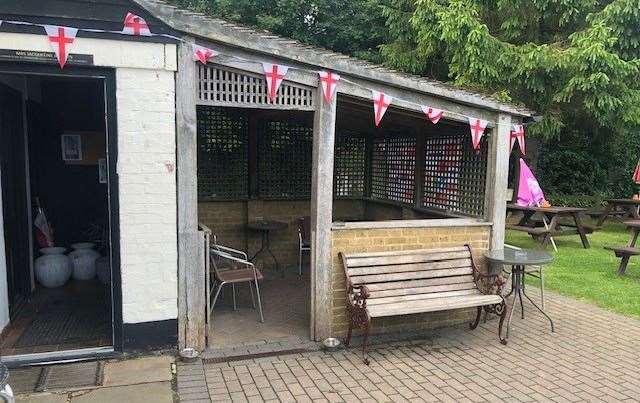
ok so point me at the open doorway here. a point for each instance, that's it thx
(254, 186)
(56, 214)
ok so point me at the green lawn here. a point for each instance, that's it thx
(590, 274)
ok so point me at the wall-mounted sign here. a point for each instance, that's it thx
(43, 57)
(71, 147)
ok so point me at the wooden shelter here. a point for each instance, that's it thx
(240, 156)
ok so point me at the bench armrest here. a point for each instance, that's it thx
(486, 283)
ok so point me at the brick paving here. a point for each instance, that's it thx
(594, 355)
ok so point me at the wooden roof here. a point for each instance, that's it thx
(262, 42)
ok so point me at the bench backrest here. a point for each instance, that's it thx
(395, 274)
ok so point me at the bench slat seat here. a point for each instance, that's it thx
(381, 284)
(430, 305)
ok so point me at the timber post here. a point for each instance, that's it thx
(191, 276)
(324, 127)
(497, 180)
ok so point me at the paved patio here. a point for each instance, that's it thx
(593, 356)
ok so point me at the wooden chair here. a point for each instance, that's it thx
(304, 239)
(231, 266)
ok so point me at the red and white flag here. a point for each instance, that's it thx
(60, 39)
(329, 83)
(517, 135)
(44, 235)
(381, 102)
(274, 74)
(135, 25)
(203, 54)
(477, 131)
(433, 114)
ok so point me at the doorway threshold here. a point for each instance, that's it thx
(57, 357)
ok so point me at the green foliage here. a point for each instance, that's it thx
(355, 27)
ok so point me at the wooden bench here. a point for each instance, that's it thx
(381, 284)
(624, 252)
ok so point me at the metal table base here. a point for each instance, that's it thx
(518, 290)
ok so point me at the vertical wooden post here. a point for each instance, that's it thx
(497, 177)
(324, 126)
(191, 276)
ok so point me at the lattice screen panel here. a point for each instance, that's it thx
(223, 138)
(217, 86)
(284, 160)
(455, 174)
(393, 164)
(350, 165)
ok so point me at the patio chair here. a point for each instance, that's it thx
(231, 266)
(304, 239)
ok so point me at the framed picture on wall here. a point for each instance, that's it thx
(71, 147)
(102, 170)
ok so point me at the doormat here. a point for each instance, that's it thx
(52, 377)
(65, 323)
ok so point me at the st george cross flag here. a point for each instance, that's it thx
(477, 131)
(60, 39)
(381, 102)
(135, 25)
(44, 235)
(517, 135)
(329, 83)
(274, 74)
(433, 114)
(203, 54)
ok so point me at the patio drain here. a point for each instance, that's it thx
(64, 376)
(253, 356)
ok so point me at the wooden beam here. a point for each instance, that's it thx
(497, 176)
(191, 275)
(324, 126)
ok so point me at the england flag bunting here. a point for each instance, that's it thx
(517, 135)
(381, 102)
(433, 114)
(60, 39)
(135, 25)
(203, 54)
(477, 131)
(329, 83)
(274, 73)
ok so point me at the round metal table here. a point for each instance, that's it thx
(518, 259)
(265, 227)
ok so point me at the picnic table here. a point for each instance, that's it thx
(571, 223)
(629, 208)
(625, 252)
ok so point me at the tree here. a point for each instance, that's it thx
(354, 27)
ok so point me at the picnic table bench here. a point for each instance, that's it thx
(562, 221)
(625, 252)
(381, 284)
(624, 208)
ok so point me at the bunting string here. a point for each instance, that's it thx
(62, 39)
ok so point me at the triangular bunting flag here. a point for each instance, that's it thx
(433, 114)
(329, 82)
(135, 25)
(381, 102)
(517, 135)
(274, 74)
(477, 131)
(203, 54)
(60, 39)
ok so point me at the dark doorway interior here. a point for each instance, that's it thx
(55, 130)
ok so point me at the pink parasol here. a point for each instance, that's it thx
(636, 174)
(529, 191)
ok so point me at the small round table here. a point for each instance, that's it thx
(518, 259)
(265, 227)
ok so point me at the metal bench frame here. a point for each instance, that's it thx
(357, 295)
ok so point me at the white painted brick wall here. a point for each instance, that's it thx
(148, 241)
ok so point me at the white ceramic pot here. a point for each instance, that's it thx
(84, 258)
(53, 268)
(103, 268)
